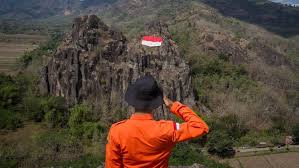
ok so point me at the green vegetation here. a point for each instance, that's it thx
(253, 138)
(9, 120)
(56, 141)
(223, 147)
(10, 98)
(218, 74)
(55, 111)
(17, 100)
(234, 133)
(81, 123)
(86, 161)
(188, 154)
(70, 132)
(295, 132)
(229, 129)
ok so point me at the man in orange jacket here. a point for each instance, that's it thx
(141, 141)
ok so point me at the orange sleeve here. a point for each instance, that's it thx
(113, 153)
(193, 126)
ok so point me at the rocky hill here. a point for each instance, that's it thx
(96, 63)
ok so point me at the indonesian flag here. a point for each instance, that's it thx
(152, 41)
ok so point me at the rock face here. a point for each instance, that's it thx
(97, 64)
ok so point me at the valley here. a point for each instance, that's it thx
(236, 62)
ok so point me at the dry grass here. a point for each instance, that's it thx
(13, 46)
(21, 38)
(20, 142)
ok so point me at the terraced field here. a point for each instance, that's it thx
(280, 160)
(13, 46)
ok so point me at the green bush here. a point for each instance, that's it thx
(8, 163)
(55, 111)
(81, 123)
(33, 108)
(9, 120)
(185, 154)
(79, 114)
(10, 92)
(89, 129)
(217, 75)
(231, 124)
(52, 109)
(220, 144)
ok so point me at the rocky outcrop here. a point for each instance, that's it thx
(96, 64)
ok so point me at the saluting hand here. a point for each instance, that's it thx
(167, 102)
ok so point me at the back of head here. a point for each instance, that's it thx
(144, 95)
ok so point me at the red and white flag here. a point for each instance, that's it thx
(152, 41)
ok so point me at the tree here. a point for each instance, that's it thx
(81, 123)
(220, 144)
(55, 111)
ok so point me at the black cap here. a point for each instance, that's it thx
(144, 94)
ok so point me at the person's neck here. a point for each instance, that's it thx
(142, 112)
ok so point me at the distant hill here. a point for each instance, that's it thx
(275, 17)
(290, 2)
(36, 9)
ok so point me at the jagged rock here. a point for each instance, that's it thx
(96, 64)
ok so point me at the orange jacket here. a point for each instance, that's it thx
(142, 142)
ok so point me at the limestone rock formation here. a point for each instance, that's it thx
(95, 63)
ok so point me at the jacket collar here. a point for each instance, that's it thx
(145, 116)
